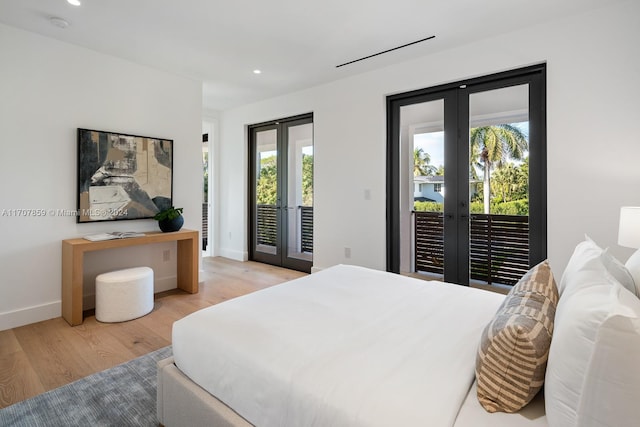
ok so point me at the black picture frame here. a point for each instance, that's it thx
(122, 176)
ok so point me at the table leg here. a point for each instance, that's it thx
(72, 264)
(187, 265)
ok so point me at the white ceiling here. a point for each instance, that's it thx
(296, 43)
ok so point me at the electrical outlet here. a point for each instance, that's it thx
(166, 255)
(347, 252)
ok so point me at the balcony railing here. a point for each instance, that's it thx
(498, 250)
(205, 225)
(267, 226)
(306, 228)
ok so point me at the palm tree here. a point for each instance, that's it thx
(422, 163)
(492, 146)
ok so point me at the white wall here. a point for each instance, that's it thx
(47, 90)
(593, 140)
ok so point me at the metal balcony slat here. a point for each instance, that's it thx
(498, 247)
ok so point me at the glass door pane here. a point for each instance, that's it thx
(266, 191)
(494, 223)
(499, 184)
(422, 138)
(299, 212)
(281, 195)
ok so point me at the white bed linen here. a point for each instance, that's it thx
(472, 414)
(347, 346)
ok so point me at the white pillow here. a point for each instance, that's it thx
(586, 255)
(592, 376)
(633, 266)
(619, 271)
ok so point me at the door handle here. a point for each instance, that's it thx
(463, 205)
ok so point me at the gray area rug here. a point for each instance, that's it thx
(124, 395)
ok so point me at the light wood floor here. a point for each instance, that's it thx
(45, 355)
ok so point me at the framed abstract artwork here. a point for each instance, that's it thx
(123, 176)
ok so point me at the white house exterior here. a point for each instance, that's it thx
(428, 188)
(431, 188)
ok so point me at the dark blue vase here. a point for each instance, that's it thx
(168, 225)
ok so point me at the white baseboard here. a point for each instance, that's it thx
(28, 315)
(234, 254)
(316, 269)
(160, 284)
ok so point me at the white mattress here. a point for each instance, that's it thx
(346, 346)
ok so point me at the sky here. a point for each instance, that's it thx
(432, 143)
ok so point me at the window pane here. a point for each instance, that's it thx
(300, 192)
(499, 151)
(266, 191)
(499, 185)
(422, 139)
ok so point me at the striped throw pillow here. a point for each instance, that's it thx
(514, 347)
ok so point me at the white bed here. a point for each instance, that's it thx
(368, 350)
(347, 346)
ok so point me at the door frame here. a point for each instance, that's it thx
(457, 102)
(280, 258)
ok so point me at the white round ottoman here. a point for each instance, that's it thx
(124, 294)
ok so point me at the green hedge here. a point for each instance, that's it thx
(427, 206)
(515, 207)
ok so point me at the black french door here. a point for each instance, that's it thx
(281, 192)
(445, 214)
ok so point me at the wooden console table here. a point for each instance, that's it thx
(73, 264)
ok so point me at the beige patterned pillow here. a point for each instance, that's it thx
(513, 351)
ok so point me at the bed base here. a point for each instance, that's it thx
(181, 402)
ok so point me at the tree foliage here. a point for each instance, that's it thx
(205, 176)
(491, 147)
(307, 180)
(267, 185)
(510, 185)
(422, 163)
(511, 182)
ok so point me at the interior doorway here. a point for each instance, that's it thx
(208, 140)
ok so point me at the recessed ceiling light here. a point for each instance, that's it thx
(256, 71)
(74, 2)
(59, 22)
